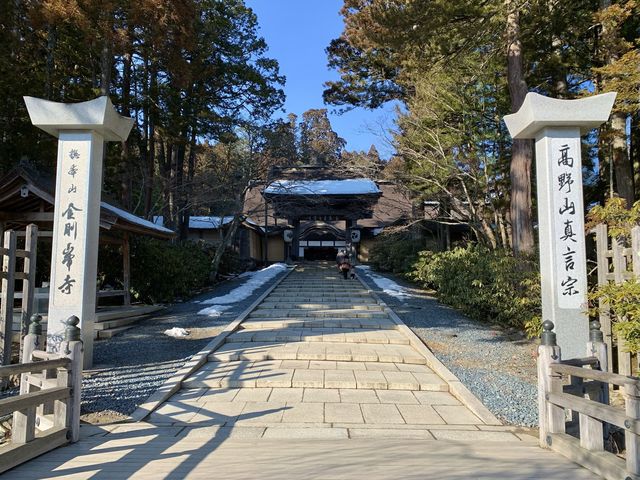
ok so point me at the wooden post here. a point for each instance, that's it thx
(632, 439)
(602, 246)
(635, 250)
(592, 429)
(6, 301)
(29, 283)
(551, 417)
(24, 421)
(72, 348)
(597, 347)
(126, 269)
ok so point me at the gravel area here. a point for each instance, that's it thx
(132, 365)
(498, 366)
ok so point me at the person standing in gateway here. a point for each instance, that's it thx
(343, 263)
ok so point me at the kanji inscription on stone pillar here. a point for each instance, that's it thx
(81, 129)
(556, 126)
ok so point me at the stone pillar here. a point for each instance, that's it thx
(556, 126)
(82, 129)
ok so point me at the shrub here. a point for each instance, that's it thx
(623, 299)
(490, 286)
(395, 252)
(624, 306)
(162, 271)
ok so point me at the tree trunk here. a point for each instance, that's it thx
(635, 147)
(106, 63)
(226, 241)
(621, 163)
(125, 174)
(521, 153)
(52, 40)
(559, 73)
(150, 134)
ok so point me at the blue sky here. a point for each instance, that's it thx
(297, 32)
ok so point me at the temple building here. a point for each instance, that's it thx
(309, 212)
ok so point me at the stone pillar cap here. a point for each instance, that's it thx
(97, 114)
(538, 112)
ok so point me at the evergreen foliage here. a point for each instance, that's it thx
(487, 285)
(458, 67)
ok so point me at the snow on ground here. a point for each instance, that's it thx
(387, 285)
(256, 280)
(176, 332)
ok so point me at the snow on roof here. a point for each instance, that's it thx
(350, 186)
(204, 223)
(131, 218)
(200, 222)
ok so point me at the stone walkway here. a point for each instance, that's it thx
(320, 381)
(320, 358)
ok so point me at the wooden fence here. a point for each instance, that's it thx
(10, 254)
(580, 387)
(46, 413)
(617, 263)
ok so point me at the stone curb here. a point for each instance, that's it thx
(456, 387)
(173, 383)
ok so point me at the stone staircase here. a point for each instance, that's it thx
(321, 358)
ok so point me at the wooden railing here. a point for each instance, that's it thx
(617, 263)
(10, 253)
(580, 387)
(46, 412)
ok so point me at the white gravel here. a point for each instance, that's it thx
(498, 366)
(132, 365)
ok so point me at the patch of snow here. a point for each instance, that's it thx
(130, 217)
(205, 223)
(377, 231)
(350, 186)
(214, 311)
(176, 332)
(387, 285)
(254, 223)
(255, 281)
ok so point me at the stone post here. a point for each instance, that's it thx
(82, 129)
(556, 126)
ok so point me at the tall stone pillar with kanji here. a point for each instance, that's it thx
(81, 129)
(557, 125)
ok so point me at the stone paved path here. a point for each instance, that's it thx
(320, 358)
(319, 382)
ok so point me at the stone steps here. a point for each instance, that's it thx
(349, 352)
(329, 312)
(317, 297)
(320, 306)
(330, 322)
(337, 335)
(316, 374)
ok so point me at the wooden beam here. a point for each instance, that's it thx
(16, 453)
(18, 368)
(604, 464)
(592, 374)
(41, 234)
(29, 283)
(6, 296)
(33, 399)
(27, 216)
